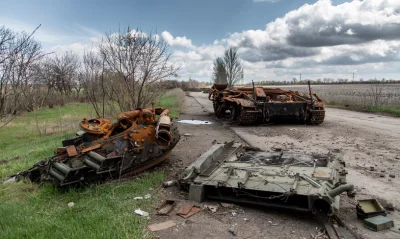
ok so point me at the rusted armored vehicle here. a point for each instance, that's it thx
(103, 150)
(235, 173)
(254, 105)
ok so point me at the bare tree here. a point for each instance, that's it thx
(93, 81)
(219, 71)
(132, 62)
(18, 53)
(78, 83)
(233, 68)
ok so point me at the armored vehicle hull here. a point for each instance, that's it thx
(255, 105)
(138, 140)
(233, 173)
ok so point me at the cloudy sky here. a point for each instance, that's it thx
(277, 39)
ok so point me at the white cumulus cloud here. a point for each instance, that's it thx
(176, 41)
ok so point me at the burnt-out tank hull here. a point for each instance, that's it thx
(248, 106)
(235, 173)
(139, 140)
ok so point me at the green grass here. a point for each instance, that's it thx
(172, 99)
(101, 211)
(387, 110)
(20, 139)
(395, 111)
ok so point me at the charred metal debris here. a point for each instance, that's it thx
(255, 105)
(233, 173)
(103, 150)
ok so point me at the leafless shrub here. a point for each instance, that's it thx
(126, 70)
(59, 75)
(18, 54)
(377, 94)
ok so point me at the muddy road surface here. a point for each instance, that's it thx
(371, 144)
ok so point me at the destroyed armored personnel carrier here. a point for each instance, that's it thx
(103, 150)
(255, 105)
(234, 173)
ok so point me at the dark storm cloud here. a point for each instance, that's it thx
(276, 52)
(348, 60)
(313, 37)
(307, 31)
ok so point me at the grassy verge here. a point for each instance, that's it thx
(172, 99)
(21, 144)
(391, 110)
(101, 211)
(386, 110)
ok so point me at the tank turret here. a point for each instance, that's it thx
(103, 150)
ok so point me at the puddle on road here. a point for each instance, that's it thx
(194, 122)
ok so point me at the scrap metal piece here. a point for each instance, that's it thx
(369, 208)
(253, 105)
(188, 210)
(192, 211)
(343, 233)
(139, 140)
(185, 209)
(166, 207)
(378, 223)
(301, 182)
(330, 230)
(161, 226)
(71, 151)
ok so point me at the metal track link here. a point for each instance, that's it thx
(247, 118)
(317, 117)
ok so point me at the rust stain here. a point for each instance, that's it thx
(71, 151)
(105, 144)
(252, 105)
(96, 146)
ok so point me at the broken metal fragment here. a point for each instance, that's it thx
(369, 208)
(161, 226)
(166, 207)
(378, 223)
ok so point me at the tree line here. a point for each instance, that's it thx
(124, 71)
(326, 81)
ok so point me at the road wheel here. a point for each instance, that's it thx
(234, 113)
(216, 106)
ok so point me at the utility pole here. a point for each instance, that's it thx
(300, 77)
(353, 76)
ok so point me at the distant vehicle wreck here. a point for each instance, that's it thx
(139, 140)
(233, 173)
(248, 106)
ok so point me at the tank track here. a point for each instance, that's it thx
(317, 117)
(248, 118)
(215, 106)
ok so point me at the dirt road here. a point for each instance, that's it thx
(244, 222)
(369, 142)
(384, 125)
